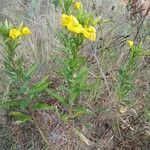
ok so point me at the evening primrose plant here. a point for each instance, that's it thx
(21, 92)
(77, 27)
(127, 72)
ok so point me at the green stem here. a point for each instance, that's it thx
(73, 70)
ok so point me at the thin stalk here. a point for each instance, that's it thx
(38, 127)
(71, 122)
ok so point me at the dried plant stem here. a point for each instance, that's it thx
(38, 127)
(70, 139)
(105, 80)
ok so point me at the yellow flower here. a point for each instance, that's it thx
(77, 28)
(14, 33)
(77, 5)
(89, 33)
(25, 31)
(130, 43)
(65, 20)
(72, 23)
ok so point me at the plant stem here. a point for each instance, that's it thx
(38, 127)
(70, 139)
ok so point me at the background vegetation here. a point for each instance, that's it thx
(118, 96)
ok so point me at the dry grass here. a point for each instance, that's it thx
(106, 129)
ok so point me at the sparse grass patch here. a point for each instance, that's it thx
(79, 80)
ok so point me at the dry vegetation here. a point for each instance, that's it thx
(116, 123)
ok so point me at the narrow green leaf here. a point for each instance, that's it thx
(24, 104)
(10, 103)
(39, 87)
(43, 106)
(81, 111)
(21, 117)
(56, 3)
(30, 72)
(57, 96)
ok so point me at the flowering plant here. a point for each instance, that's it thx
(21, 91)
(77, 27)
